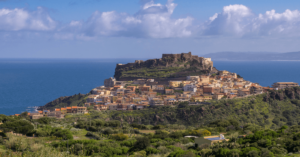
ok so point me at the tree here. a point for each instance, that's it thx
(234, 136)
(183, 104)
(120, 137)
(44, 120)
(19, 126)
(107, 131)
(206, 133)
(205, 152)
(176, 134)
(142, 143)
(63, 133)
(24, 114)
(161, 134)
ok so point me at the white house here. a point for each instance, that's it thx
(190, 87)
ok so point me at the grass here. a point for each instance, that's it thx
(147, 131)
(80, 135)
(2, 149)
(153, 72)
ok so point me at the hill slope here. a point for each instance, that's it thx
(269, 110)
(169, 66)
(74, 100)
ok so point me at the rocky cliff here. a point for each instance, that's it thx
(169, 66)
(74, 100)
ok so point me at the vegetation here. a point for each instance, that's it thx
(270, 110)
(162, 72)
(169, 66)
(74, 100)
(269, 123)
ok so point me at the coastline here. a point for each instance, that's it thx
(56, 86)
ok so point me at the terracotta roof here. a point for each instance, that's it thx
(74, 106)
(69, 107)
(40, 111)
(141, 104)
(57, 109)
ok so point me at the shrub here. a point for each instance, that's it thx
(157, 127)
(128, 143)
(2, 134)
(142, 143)
(120, 137)
(63, 133)
(44, 120)
(161, 134)
(176, 134)
(93, 135)
(206, 133)
(151, 150)
(19, 126)
(107, 131)
(41, 133)
(182, 153)
(184, 140)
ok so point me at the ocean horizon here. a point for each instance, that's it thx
(25, 83)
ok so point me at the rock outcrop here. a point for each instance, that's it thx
(74, 100)
(169, 66)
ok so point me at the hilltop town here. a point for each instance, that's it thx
(141, 93)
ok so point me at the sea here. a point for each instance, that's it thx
(27, 83)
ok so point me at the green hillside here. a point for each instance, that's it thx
(261, 119)
(269, 110)
(74, 100)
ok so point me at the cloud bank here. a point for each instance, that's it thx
(154, 20)
(239, 20)
(20, 19)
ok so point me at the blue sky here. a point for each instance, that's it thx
(145, 28)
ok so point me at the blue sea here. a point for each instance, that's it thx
(34, 82)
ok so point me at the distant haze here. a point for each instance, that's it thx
(254, 56)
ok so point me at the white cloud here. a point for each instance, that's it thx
(20, 19)
(213, 17)
(272, 23)
(239, 20)
(231, 21)
(75, 23)
(152, 20)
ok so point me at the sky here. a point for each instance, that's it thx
(145, 28)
